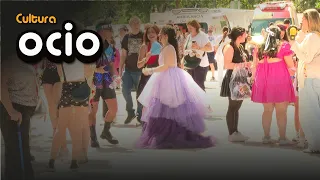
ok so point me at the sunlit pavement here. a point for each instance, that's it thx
(245, 158)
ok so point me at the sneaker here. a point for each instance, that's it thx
(296, 139)
(267, 140)
(302, 143)
(130, 117)
(285, 142)
(237, 137)
(138, 118)
(311, 151)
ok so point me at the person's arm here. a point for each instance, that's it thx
(207, 47)
(169, 61)
(124, 54)
(307, 49)
(228, 52)
(88, 71)
(142, 56)
(204, 45)
(290, 63)
(5, 99)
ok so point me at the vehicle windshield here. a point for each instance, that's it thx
(259, 24)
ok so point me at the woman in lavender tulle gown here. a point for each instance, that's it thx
(174, 105)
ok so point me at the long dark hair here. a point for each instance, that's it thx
(284, 29)
(171, 33)
(271, 44)
(233, 36)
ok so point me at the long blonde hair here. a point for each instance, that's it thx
(313, 18)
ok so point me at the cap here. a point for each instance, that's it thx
(282, 27)
(104, 25)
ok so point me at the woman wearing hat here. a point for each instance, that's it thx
(104, 86)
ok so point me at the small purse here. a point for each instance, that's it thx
(191, 61)
(80, 94)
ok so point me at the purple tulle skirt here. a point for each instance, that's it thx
(174, 111)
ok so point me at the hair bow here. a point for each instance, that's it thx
(270, 33)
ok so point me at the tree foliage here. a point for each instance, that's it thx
(122, 10)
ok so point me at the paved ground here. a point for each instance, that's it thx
(227, 159)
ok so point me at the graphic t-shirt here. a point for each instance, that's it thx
(132, 43)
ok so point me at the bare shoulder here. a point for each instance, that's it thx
(228, 48)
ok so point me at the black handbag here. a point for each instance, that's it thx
(80, 94)
(191, 62)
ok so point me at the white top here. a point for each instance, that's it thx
(212, 40)
(308, 53)
(118, 43)
(219, 54)
(74, 71)
(202, 39)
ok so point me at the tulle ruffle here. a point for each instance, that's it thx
(186, 115)
(161, 133)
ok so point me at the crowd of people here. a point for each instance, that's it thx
(171, 95)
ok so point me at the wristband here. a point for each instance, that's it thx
(293, 69)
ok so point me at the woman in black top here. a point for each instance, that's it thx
(234, 55)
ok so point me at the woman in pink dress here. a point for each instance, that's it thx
(272, 85)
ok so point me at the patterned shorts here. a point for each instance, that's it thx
(66, 98)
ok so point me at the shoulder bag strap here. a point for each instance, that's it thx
(186, 47)
(64, 74)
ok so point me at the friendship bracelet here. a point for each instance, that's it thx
(293, 69)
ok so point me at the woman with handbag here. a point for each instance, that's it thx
(197, 42)
(272, 85)
(148, 56)
(234, 57)
(73, 111)
(104, 85)
(306, 47)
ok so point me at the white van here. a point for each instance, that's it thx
(180, 17)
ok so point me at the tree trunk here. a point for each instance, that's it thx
(178, 4)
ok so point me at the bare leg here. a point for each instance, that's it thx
(281, 114)
(267, 118)
(60, 133)
(212, 68)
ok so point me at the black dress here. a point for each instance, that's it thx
(225, 88)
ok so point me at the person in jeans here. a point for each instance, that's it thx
(130, 45)
(198, 40)
(306, 47)
(19, 98)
